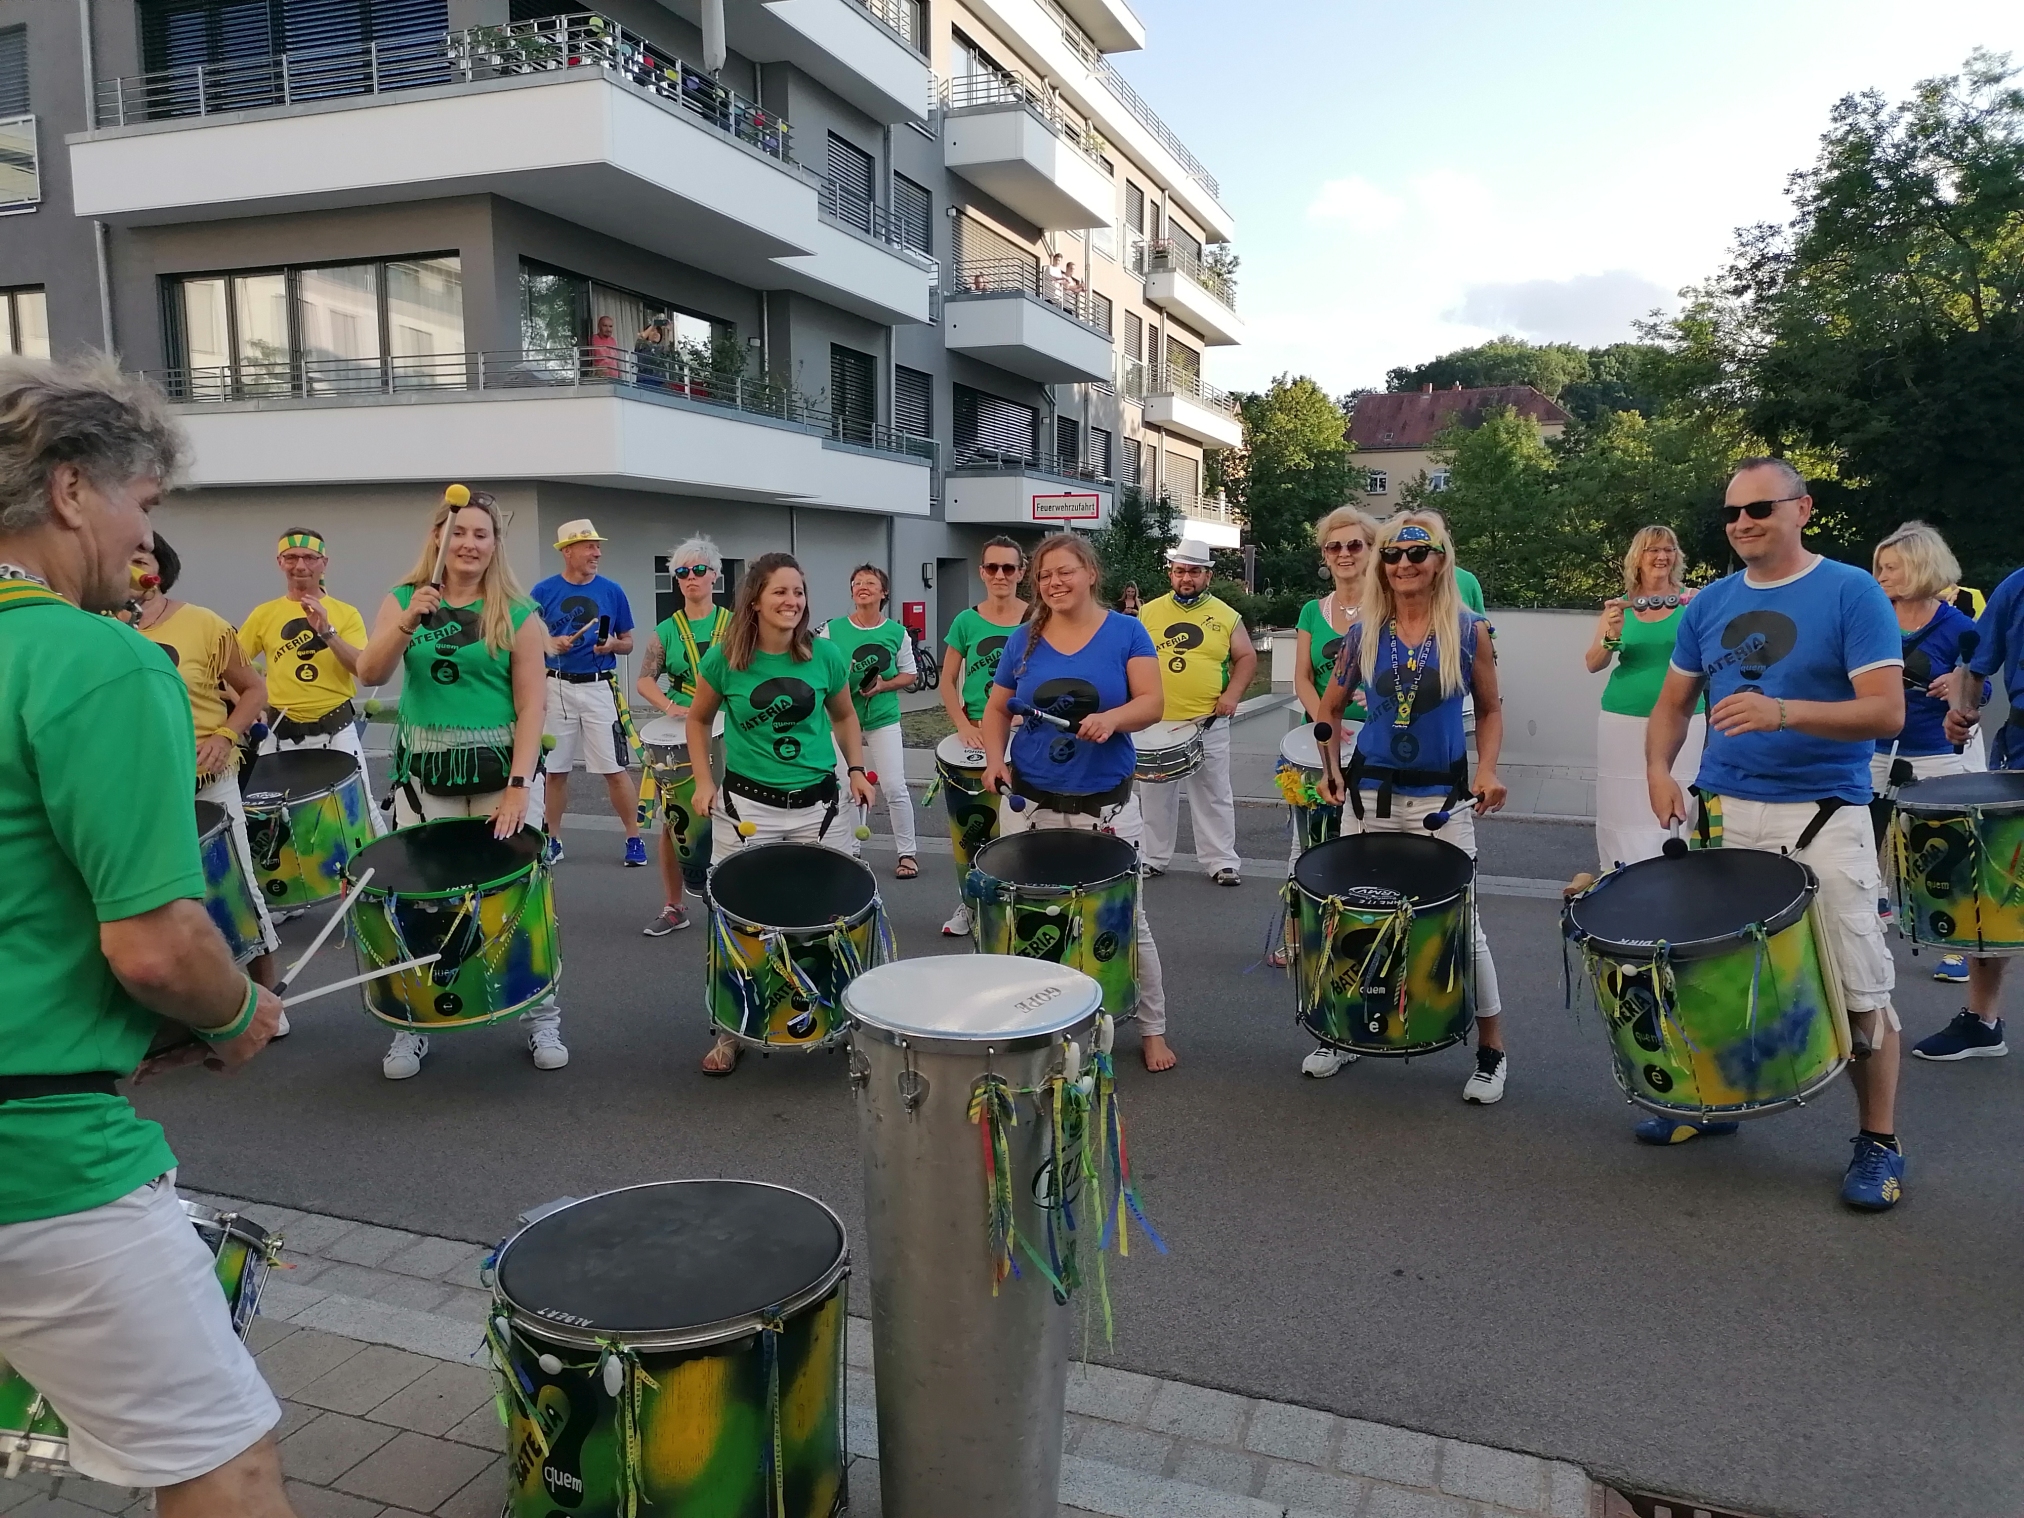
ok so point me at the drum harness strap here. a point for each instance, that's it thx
(331, 723)
(824, 790)
(1825, 808)
(1455, 778)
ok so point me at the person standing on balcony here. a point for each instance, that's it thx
(1053, 281)
(1206, 664)
(881, 659)
(1072, 287)
(970, 653)
(604, 357)
(676, 651)
(590, 623)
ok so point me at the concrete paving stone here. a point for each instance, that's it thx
(862, 1484)
(1119, 1493)
(413, 1469)
(1197, 1412)
(96, 1495)
(1388, 1454)
(857, 1342)
(1120, 1396)
(1225, 1470)
(313, 1233)
(433, 1257)
(325, 1448)
(301, 1357)
(368, 1244)
(293, 1416)
(1287, 1432)
(418, 1294)
(1568, 1490)
(321, 1502)
(43, 1506)
(861, 1428)
(302, 1269)
(283, 1299)
(438, 1400)
(464, 1303)
(1308, 1491)
(364, 1381)
(265, 1332)
(1501, 1476)
(484, 1429)
(480, 1497)
(1135, 1449)
(1396, 1502)
(376, 1323)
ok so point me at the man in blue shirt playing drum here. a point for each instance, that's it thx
(1802, 664)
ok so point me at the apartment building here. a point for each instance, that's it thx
(794, 273)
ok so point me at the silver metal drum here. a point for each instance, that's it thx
(971, 1385)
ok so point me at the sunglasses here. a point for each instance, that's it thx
(1001, 569)
(683, 571)
(1354, 545)
(1417, 554)
(1758, 510)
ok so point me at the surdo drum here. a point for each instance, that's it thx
(228, 894)
(1066, 896)
(307, 812)
(1957, 842)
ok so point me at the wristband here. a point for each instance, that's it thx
(1781, 714)
(855, 769)
(237, 1025)
(226, 731)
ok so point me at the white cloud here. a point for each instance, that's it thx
(1590, 309)
(1356, 200)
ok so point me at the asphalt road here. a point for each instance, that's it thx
(1705, 1320)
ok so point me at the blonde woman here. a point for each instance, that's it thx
(472, 653)
(1635, 633)
(1416, 651)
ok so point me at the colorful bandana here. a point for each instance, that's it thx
(1412, 532)
(308, 540)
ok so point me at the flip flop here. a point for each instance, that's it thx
(907, 868)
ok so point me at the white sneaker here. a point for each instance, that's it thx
(958, 926)
(1486, 1085)
(1325, 1061)
(404, 1056)
(282, 1030)
(546, 1046)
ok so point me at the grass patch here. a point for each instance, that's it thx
(925, 729)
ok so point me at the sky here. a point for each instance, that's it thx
(1411, 179)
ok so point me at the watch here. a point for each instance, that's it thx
(516, 782)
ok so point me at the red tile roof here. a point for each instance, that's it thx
(1414, 418)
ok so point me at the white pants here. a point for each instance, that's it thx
(886, 757)
(1126, 822)
(1210, 806)
(224, 791)
(1924, 767)
(1460, 830)
(114, 1315)
(345, 741)
(1625, 829)
(780, 824)
(584, 715)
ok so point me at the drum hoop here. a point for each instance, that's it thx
(1419, 908)
(1087, 887)
(1644, 950)
(288, 802)
(1732, 1114)
(530, 1320)
(1954, 811)
(481, 888)
(933, 1043)
(862, 914)
(236, 1224)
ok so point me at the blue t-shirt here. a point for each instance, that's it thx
(1802, 639)
(1929, 653)
(1095, 678)
(1434, 738)
(2002, 648)
(568, 608)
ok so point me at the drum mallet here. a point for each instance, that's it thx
(344, 908)
(863, 830)
(1964, 681)
(456, 497)
(1017, 802)
(1675, 847)
(1028, 709)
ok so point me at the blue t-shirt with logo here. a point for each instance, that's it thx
(2002, 648)
(1095, 678)
(1433, 737)
(568, 608)
(1802, 639)
(1929, 653)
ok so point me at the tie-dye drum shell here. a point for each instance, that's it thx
(1957, 842)
(973, 811)
(228, 894)
(675, 1348)
(1066, 896)
(1717, 988)
(307, 812)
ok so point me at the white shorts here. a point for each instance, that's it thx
(224, 791)
(114, 1314)
(781, 824)
(1924, 767)
(583, 715)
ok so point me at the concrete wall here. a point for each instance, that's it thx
(1550, 699)
(48, 246)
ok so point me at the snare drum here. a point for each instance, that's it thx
(1299, 777)
(1383, 928)
(1167, 751)
(485, 904)
(1065, 896)
(973, 811)
(1958, 845)
(791, 924)
(228, 894)
(672, 1348)
(1718, 990)
(308, 810)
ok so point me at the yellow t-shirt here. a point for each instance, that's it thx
(201, 645)
(304, 679)
(1193, 643)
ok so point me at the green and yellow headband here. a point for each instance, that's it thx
(308, 540)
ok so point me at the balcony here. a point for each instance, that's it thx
(1026, 490)
(1111, 25)
(20, 168)
(869, 52)
(578, 415)
(572, 115)
(1181, 284)
(1176, 400)
(1012, 314)
(1005, 135)
(1207, 518)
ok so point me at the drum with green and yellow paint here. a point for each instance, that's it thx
(1066, 896)
(1958, 845)
(307, 813)
(973, 811)
(791, 924)
(228, 894)
(674, 1348)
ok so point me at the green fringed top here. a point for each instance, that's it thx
(456, 696)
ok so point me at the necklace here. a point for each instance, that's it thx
(1414, 662)
(16, 572)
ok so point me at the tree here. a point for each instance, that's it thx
(1547, 367)
(1497, 504)
(1132, 546)
(1292, 470)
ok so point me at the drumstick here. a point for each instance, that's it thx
(456, 497)
(1028, 709)
(1958, 697)
(359, 980)
(1676, 846)
(864, 811)
(1018, 802)
(344, 907)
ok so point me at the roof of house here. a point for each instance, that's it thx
(1414, 418)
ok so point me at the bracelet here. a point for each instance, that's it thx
(237, 1025)
(1781, 714)
(855, 769)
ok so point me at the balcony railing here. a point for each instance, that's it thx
(1142, 380)
(432, 59)
(982, 91)
(1202, 508)
(20, 169)
(986, 460)
(848, 208)
(564, 368)
(1006, 276)
(902, 17)
(1164, 255)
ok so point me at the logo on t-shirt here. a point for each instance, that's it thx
(1070, 699)
(1755, 641)
(1329, 650)
(443, 632)
(300, 639)
(988, 652)
(170, 650)
(785, 702)
(868, 661)
(579, 612)
(1181, 637)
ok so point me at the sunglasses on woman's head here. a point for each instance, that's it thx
(1417, 554)
(1354, 545)
(1758, 510)
(683, 571)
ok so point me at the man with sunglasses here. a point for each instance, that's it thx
(1802, 663)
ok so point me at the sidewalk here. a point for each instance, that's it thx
(373, 1343)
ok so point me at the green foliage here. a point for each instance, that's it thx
(1270, 608)
(1293, 470)
(1587, 381)
(1132, 546)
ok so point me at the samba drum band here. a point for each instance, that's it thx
(971, 650)
(1346, 537)
(881, 658)
(307, 642)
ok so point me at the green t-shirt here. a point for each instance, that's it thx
(776, 729)
(1323, 643)
(456, 694)
(87, 836)
(1470, 589)
(1641, 663)
(868, 649)
(676, 664)
(979, 642)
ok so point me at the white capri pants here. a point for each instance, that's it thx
(583, 716)
(346, 741)
(886, 757)
(781, 824)
(1460, 830)
(1211, 807)
(1625, 829)
(224, 791)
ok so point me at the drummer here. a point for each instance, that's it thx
(1803, 667)
(787, 709)
(971, 648)
(474, 691)
(676, 650)
(1206, 664)
(882, 665)
(1097, 669)
(1416, 651)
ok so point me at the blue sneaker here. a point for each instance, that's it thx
(1966, 1037)
(1673, 1130)
(635, 853)
(552, 854)
(1952, 967)
(1876, 1176)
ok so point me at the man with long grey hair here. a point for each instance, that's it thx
(108, 1304)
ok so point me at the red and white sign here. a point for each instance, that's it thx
(1072, 506)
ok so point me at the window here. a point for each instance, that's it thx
(1376, 482)
(913, 401)
(991, 429)
(913, 215)
(850, 175)
(560, 312)
(1438, 480)
(1134, 336)
(181, 34)
(1099, 452)
(1183, 478)
(1103, 241)
(1134, 468)
(853, 394)
(667, 599)
(1135, 208)
(1068, 443)
(1182, 359)
(1098, 315)
(24, 323)
(985, 254)
(20, 173)
(1183, 240)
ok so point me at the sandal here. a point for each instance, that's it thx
(718, 1048)
(907, 868)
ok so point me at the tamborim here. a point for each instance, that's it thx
(973, 811)
(1958, 845)
(1065, 896)
(1168, 750)
(307, 812)
(228, 894)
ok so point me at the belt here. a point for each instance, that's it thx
(1074, 806)
(1456, 779)
(565, 675)
(22, 1088)
(772, 795)
(336, 720)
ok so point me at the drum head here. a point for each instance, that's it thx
(1299, 747)
(211, 819)
(1165, 735)
(676, 1259)
(433, 858)
(295, 775)
(1997, 790)
(665, 732)
(792, 885)
(1697, 904)
(997, 999)
(1056, 857)
(953, 752)
(1422, 869)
